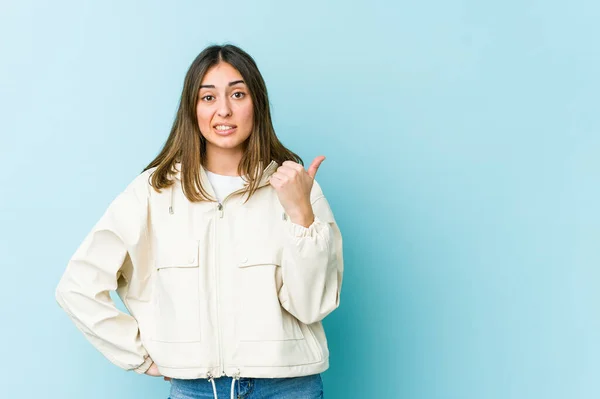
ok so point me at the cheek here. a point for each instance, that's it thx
(247, 114)
(204, 116)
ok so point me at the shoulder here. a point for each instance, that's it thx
(140, 186)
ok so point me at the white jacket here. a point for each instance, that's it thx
(212, 289)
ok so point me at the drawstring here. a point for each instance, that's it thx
(171, 203)
(236, 377)
(214, 387)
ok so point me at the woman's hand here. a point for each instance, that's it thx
(153, 371)
(293, 185)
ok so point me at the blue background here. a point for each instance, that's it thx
(462, 143)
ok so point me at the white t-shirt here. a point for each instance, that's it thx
(224, 185)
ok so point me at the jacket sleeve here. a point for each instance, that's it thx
(312, 264)
(96, 268)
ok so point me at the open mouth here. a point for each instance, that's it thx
(224, 129)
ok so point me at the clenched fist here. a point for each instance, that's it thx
(293, 185)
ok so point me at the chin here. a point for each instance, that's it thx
(226, 142)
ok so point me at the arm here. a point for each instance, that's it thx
(312, 264)
(93, 271)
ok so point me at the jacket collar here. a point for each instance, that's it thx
(267, 172)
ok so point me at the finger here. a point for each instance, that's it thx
(275, 182)
(280, 176)
(314, 166)
(293, 165)
(287, 171)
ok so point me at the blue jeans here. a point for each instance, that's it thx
(308, 387)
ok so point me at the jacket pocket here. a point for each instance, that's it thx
(177, 293)
(261, 317)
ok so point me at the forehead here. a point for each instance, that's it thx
(221, 74)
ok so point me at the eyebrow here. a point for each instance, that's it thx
(235, 82)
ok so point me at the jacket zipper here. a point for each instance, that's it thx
(216, 266)
(220, 213)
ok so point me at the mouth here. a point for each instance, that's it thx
(224, 129)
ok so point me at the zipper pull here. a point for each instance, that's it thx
(220, 208)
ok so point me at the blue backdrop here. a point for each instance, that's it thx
(462, 165)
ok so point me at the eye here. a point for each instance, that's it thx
(239, 94)
(207, 98)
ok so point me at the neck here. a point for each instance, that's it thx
(223, 161)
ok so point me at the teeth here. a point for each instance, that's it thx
(223, 127)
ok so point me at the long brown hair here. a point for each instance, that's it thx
(186, 144)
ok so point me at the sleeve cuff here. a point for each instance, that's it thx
(141, 369)
(300, 231)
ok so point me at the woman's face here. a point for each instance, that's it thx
(224, 109)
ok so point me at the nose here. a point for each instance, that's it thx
(224, 108)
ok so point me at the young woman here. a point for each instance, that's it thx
(224, 251)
